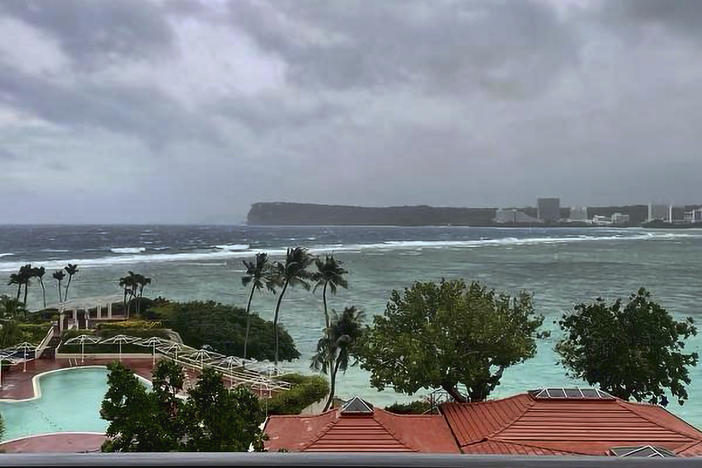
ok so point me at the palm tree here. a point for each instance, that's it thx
(71, 270)
(291, 273)
(330, 275)
(129, 284)
(259, 275)
(141, 281)
(39, 274)
(26, 273)
(59, 275)
(336, 346)
(15, 278)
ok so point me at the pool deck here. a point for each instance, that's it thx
(69, 442)
(18, 385)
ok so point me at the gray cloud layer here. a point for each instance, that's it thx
(188, 111)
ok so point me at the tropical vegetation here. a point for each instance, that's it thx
(631, 349)
(212, 418)
(304, 391)
(259, 274)
(451, 335)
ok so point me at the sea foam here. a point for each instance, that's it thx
(128, 250)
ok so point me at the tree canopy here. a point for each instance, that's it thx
(449, 335)
(632, 349)
(212, 418)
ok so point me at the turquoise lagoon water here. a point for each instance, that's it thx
(70, 402)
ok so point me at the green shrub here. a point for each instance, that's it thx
(129, 325)
(33, 332)
(305, 390)
(413, 407)
(223, 327)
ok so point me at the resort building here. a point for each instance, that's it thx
(549, 209)
(620, 218)
(359, 427)
(578, 213)
(553, 421)
(693, 216)
(658, 212)
(513, 216)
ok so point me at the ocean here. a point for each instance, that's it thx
(561, 266)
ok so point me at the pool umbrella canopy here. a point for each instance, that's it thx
(153, 342)
(24, 347)
(202, 355)
(230, 363)
(6, 356)
(82, 339)
(119, 340)
(172, 347)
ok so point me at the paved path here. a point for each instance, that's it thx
(55, 443)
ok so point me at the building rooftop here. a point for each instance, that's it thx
(559, 422)
(358, 427)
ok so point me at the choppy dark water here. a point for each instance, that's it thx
(561, 266)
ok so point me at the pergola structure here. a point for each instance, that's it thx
(101, 304)
(248, 372)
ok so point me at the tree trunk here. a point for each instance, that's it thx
(59, 292)
(43, 291)
(19, 290)
(275, 320)
(455, 394)
(26, 289)
(65, 294)
(332, 385)
(248, 319)
(324, 300)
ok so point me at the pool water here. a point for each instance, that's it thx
(70, 402)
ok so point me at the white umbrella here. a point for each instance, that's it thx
(229, 363)
(24, 346)
(201, 355)
(153, 341)
(82, 339)
(172, 347)
(119, 339)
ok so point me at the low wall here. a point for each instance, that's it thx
(104, 356)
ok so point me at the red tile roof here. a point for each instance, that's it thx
(531, 426)
(377, 431)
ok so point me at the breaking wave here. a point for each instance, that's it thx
(133, 255)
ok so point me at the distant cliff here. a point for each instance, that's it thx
(310, 214)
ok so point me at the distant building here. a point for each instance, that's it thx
(693, 216)
(659, 212)
(620, 218)
(578, 213)
(549, 209)
(601, 220)
(513, 215)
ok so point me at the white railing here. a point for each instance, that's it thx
(44, 343)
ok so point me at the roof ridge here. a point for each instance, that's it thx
(411, 416)
(687, 447)
(528, 405)
(505, 441)
(297, 416)
(629, 406)
(321, 432)
(392, 433)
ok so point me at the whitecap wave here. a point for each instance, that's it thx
(223, 254)
(6, 254)
(233, 247)
(128, 250)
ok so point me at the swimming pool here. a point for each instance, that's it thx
(69, 401)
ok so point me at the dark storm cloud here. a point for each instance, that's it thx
(139, 111)
(447, 47)
(203, 107)
(96, 31)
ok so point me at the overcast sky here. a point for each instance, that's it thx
(189, 111)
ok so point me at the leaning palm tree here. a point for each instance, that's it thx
(140, 282)
(329, 275)
(15, 278)
(71, 270)
(26, 273)
(291, 273)
(259, 275)
(336, 347)
(129, 284)
(39, 274)
(59, 275)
